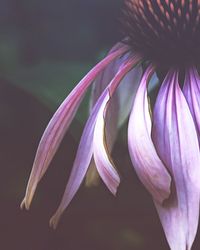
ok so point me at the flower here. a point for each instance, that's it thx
(162, 37)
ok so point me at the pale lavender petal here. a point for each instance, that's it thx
(176, 142)
(59, 124)
(146, 162)
(102, 159)
(191, 90)
(154, 82)
(104, 166)
(81, 163)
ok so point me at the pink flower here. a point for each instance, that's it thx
(162, 37)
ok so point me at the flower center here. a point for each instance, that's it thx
(164, 31)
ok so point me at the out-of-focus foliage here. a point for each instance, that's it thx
(51, 82)
(46, 47)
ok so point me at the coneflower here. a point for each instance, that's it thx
(162, 37)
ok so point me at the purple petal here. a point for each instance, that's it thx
(146, 162)
(102, 159)
(81, 163)
(191, 90)
(176, 142)
(59, 124)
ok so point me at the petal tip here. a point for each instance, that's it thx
(25, 204)
(53, 223)
(114, 188)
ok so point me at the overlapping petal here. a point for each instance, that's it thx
(146, 162)
(191, 90)
(59, 124)
(102, 159)
(85, 150)
(103, 163)
(176, 142)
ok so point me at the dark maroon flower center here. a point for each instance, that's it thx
(164, 31)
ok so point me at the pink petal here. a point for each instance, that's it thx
(176, 142)
(59, 124)
(191, 90)
(81, 163)
(102, 159)
(146, 162)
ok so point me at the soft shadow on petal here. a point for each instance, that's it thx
(176, 142)
(148, 166)
(59, 123)
(126, 93)
(102, 159)
(191, 90)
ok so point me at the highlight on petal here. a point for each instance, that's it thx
(191, 90)
(81, 163)
(59, 123)
(149, 168)
(102, 159)
(176, 141)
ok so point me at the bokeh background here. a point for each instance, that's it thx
(46, 46)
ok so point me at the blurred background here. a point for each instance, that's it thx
(46, 47)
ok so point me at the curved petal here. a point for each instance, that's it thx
(103, 163)
(149, 168)
(81, 163)
(120, 105)
(191, 90)
(102, 159)
(176, 142)
(59, 124)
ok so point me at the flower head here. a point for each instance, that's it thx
(162, 37)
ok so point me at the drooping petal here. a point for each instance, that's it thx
(191, 90)
(102, 159)
(176, 142)
(59, 124)
(85, 151)
(149, 168)
(81, 163)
